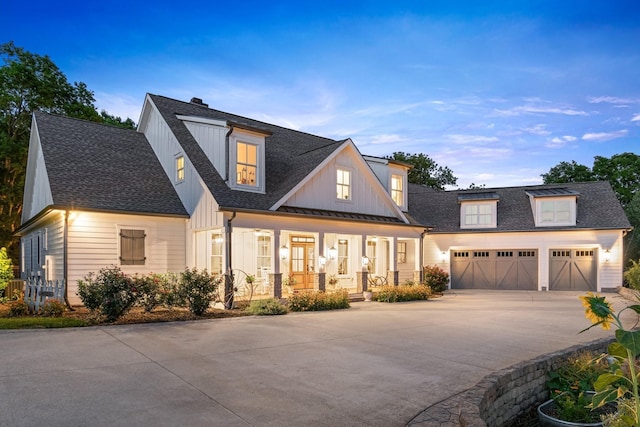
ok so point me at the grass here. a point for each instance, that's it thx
(39, 322)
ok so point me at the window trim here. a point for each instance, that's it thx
(344, 258)
(348, 185)
(145, 248)
(177, 177)
(468, 204)
(238, 137)
(539, 202)
(400, 192)
(401, 259)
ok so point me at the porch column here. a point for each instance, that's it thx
(275, 278)
(392, 274)
(321, 281)
(362, 276)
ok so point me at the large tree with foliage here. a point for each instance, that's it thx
(426, 171)
(623, 173)
(30, 82)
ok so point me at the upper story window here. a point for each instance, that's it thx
(397, 189)
(554, 206)
(247, 164)
(179, 168)
(343, 184)
(479, 210)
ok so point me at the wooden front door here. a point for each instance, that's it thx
(302, 265)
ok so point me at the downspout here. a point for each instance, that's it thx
(65, 259)
(226, 154)
(421, 249)
(228, 278)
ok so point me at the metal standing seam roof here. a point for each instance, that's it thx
(101, 167)
(597, 207)
(478, 196)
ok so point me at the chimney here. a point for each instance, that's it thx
(198, 101)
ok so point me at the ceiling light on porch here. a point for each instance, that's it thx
(333, 253)
(284, 252)
(365, 261)
(322, 260)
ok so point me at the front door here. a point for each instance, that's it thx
(302, 261)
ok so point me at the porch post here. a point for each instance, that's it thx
(275, 278)
(228, 277)
(362, 277)
(392, 274)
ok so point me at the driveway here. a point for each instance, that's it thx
(375, 364)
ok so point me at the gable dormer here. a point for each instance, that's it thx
(554, 207)
(478, 210)
(393, 175)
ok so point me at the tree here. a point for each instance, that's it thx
(108, 119)
(30, 82)
(623, 173)
(425, 170)
(6, 270)
(568, 172)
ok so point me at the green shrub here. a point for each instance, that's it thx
(632, 275)
(436, 278)
(149, 291)
(266, 307)
(18, 307)
(318, 300)
(401, 293)
(6, 270)
(110, 292)
(198, 289)
(53, 308)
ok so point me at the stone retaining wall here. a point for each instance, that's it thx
(500, 397)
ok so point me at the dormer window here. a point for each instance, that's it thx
(397, 189)
(247, 164)
(554, 207)
(478, 210)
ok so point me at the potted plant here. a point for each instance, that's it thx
(620, 383)
(289, 282)
(333, 280)
(367, 295)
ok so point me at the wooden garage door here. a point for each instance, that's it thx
(494, 269)
(572, 270)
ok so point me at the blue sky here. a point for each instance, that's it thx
(499, 91)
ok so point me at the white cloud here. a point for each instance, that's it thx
(386, 139)
(560, 141)
(604, 136)
(636, 118)
(119, 105)
(540, 129)
(612, 100)
(470, 139)
(534, 110)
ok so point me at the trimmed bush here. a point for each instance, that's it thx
(318, 301)
(53, 308)
(266, 307)
(402, 293)
(110, 292)
(198, 289)
(149, 291)
(18, 307)
(632, 275)
(436, 278)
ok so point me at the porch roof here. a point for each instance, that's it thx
(340, 215)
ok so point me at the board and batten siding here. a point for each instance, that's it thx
(50, 234)
(212, 140)
(609, 273)
(37, 189)
(367, 194)
(192, 191)
(93, 243)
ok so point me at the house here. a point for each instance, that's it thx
(202, 188)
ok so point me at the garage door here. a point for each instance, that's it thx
(572, 270)
(494, 269)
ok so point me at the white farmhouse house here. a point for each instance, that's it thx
(197, 187)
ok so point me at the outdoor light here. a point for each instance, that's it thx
(218, 239)
(607, 255)
(365, 261)
(284, 252)
(333, 253)
(444, 256)
(322, 260)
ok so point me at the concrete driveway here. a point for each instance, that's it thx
(375, 364)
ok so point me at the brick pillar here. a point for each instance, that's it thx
(362, 278)
(393, 277)
(321, 281)
(276, 280)
(416, 276)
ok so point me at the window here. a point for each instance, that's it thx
(397, 193)
(372, 255)
(216, 253)
(247, 164)
(555, 211)
(343, 186)
(264, 253)
(343, 256)
(478, 215)
(179, 169)
(402, 252)
(132, 247)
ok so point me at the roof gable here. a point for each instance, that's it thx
(101, 167)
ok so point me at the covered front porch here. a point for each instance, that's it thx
(280, 255)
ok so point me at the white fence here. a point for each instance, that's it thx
(37, 291)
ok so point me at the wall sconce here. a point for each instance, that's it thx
(333, 253)
(607, 255)
(444, 256)
(365, 261)
(284, 252)
(322, 261)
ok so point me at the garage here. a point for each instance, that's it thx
(510, 269)
(573, 270)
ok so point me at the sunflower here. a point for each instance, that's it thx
(597, 310)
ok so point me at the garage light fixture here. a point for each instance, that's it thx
(607, 255)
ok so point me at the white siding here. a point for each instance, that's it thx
(367, 194)
(212, 140)
(609, 273)
(37, 192)
(50, 232)
(93, 243)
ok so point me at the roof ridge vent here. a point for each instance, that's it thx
(198, 101)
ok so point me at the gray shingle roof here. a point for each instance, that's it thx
(101, 167)
(597, 207)
(290, 155)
